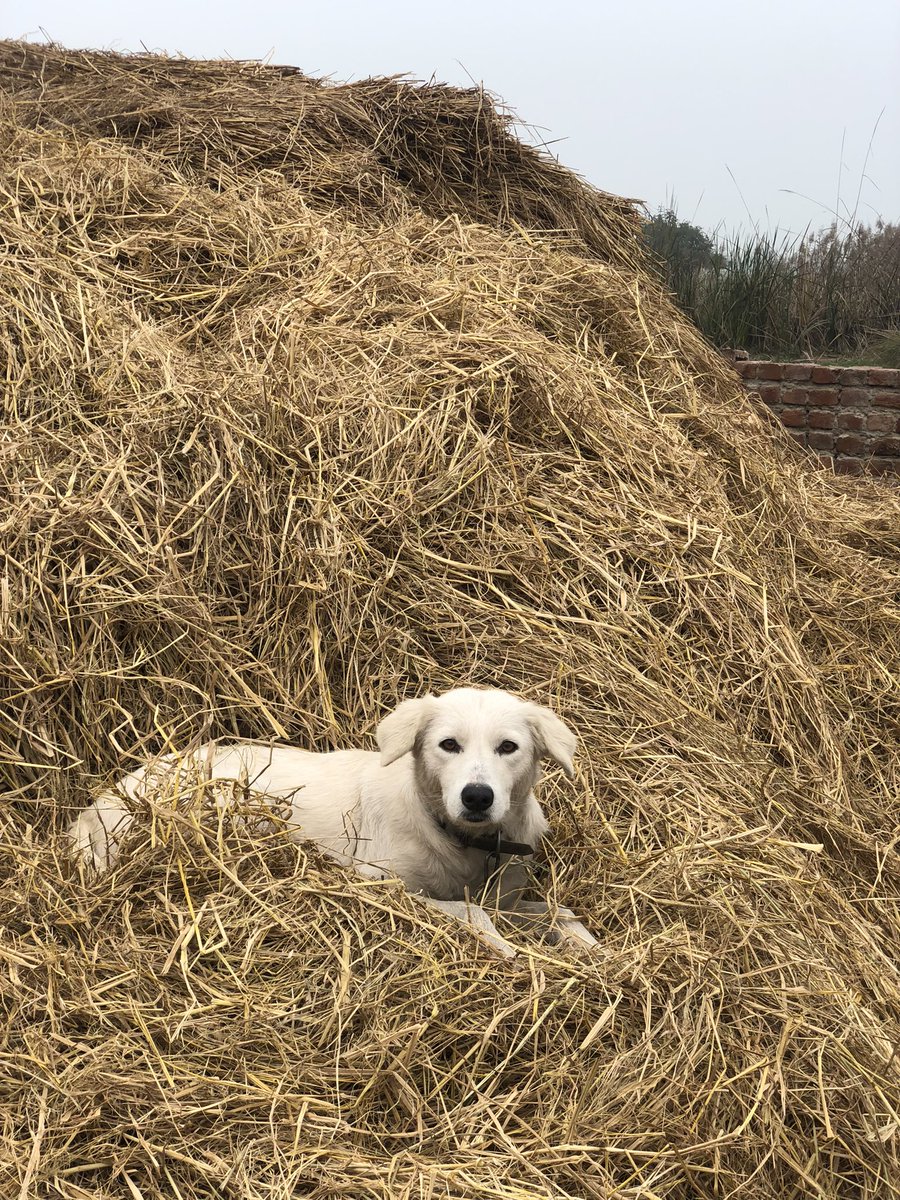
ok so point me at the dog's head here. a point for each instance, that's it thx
(476, 753)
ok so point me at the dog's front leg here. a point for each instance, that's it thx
(508, 885)
(561, 923)
(476, 919)
(506, 891)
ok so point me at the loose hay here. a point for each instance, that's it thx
(320, 396)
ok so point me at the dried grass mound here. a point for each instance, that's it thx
(315, 397)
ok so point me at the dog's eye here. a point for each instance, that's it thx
(451, 745)
(507, 747)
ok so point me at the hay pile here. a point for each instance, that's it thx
(315, 397)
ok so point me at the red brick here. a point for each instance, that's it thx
(884, 378)
(824, 375)
(770, 370)
(795, 417)
(794, 395)
(746, 370)
(798, 371)
(857, 396)
(848, 466)
(884, 466)
(823, 395)
(821, 418)
(769, 393)
(886, 399)
(798, 436)
(853, 376)
(817, 440)
(849, 443)
(887, 448)
(847, 419)
(882, 421)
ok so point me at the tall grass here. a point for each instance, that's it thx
(824, 294)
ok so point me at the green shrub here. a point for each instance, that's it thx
(824, 294)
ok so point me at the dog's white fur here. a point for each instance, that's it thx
(398, 812)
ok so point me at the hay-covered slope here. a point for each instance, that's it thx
(315, 397)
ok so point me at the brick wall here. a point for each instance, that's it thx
(850, 415)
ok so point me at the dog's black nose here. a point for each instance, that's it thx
(477, 797)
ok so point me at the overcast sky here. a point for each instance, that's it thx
(726, 106)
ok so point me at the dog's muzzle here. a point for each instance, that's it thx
(477, 798)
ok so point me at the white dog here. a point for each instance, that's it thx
(446, 801)
(454, 774)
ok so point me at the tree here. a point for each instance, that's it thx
(683, 247)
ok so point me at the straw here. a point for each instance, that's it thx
(320, 396)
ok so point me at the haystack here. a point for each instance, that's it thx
(315, 397)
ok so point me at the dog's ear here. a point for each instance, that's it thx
(396, 735)
(553, 737)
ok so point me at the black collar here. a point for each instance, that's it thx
(493, 843)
